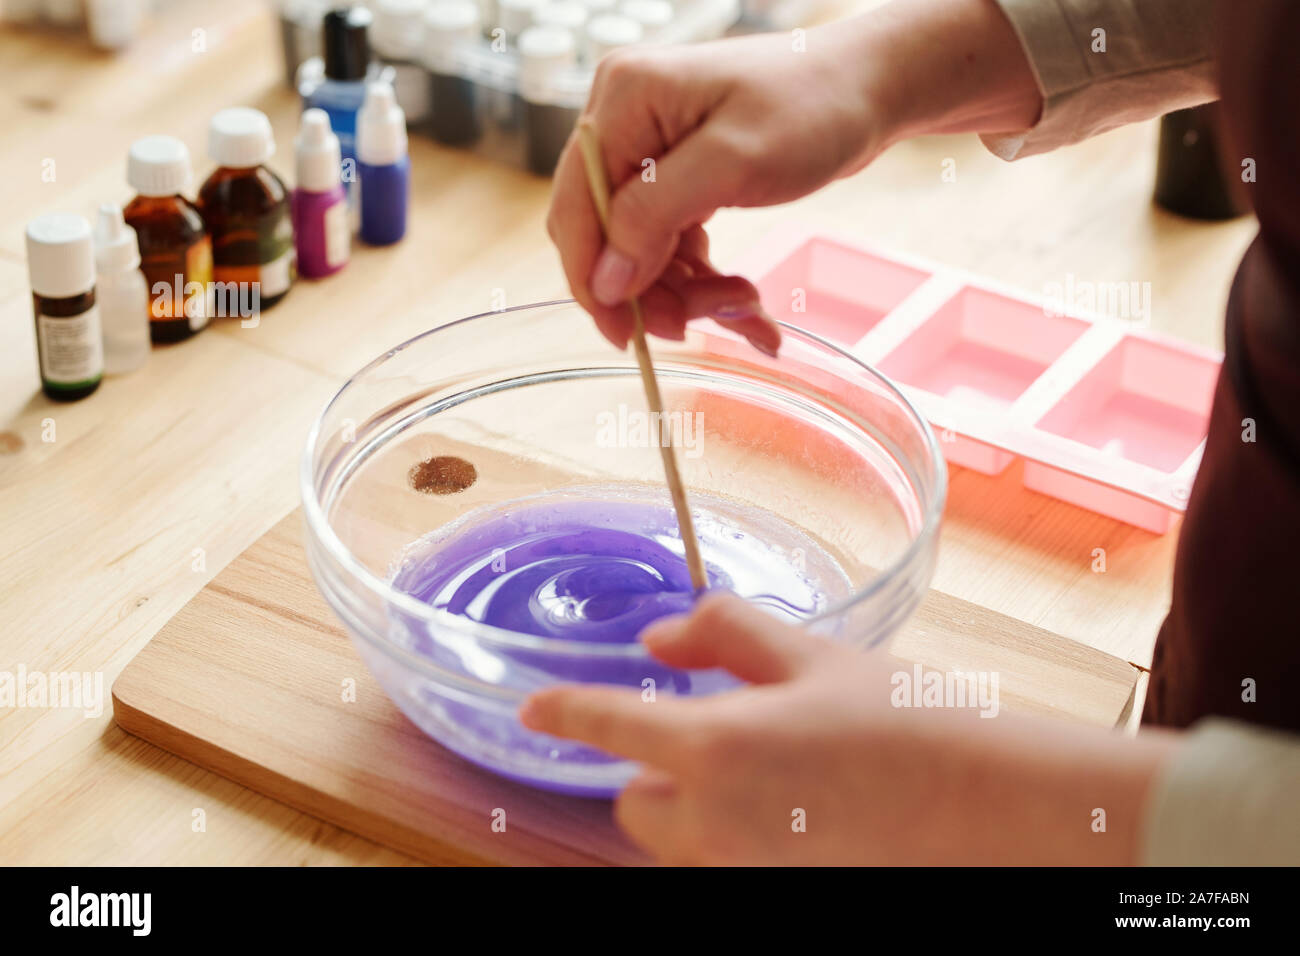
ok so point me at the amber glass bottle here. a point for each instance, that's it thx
(173, 243)
(246, 208)
(175, 253)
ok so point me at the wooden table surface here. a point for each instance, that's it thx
(116, 510)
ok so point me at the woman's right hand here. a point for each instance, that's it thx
(755, 121)
(685, 131)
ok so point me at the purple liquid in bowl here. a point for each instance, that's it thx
(594, 571)
(588, 571)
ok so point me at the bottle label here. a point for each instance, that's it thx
(338, 235)
(178, 283)
(71, 347)
(274, 276)
(247, 273)
(198, 267)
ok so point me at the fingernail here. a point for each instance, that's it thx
(766, 338)
(738, 310)
(653, 785)
(612, 276)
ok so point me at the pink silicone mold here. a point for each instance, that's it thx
(847, 290)
(1107, 416)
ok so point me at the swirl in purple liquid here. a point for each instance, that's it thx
(592, 570)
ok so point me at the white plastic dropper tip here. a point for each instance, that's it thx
(315, 128)
(379, 95)
(111, 225)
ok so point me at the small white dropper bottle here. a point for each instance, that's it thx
(121, 292)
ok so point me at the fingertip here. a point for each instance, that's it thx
(758, 328)
(615, 339)
(540, 710)
(663, 632)
(613, 324)
(766, 342)
(721, 604)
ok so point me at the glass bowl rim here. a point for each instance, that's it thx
(319, 526)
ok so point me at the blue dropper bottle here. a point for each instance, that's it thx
(346, 52)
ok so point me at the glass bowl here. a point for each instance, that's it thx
(813, 453)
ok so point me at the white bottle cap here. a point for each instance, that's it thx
(240, 137)
(307, 20)
(60, 257)
(596, 7)
(449, 25)
(514, 16)
(317, 149)
(114, 23)
(158, 166)
(608, 32)
(396, 27)
(381, 126)
(543, 52)
(116, 246)
(306, 12)
(653, 15)
(570, 14)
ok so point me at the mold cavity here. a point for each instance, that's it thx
(442, 475)
(836, 291)
(981, 349)
(1144, 402)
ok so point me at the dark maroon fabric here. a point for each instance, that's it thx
(1235, 614)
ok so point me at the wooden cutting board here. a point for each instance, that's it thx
(248, 681)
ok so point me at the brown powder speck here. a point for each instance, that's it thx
(442, 475)
(10, 444)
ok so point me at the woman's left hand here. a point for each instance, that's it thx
(814, 764)
(804, 766)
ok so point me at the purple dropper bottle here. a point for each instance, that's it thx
(321, 227)
(383, 166)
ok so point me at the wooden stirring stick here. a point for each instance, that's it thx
(591, 158)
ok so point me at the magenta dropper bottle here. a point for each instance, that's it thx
(322, 232)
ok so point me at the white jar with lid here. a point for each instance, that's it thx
(114, 24)
(609, 32)
(653, 15)
(515, 16)
(396, 40)
(547, 57)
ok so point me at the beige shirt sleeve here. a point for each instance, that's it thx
(1103, 63)
(1230, 797)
